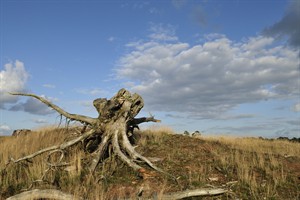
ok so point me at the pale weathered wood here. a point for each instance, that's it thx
(55, 147)
(115, 121)
(43, 194)
(98, 154)
(193, 193)
(75, 117)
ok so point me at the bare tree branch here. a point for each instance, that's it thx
(136, 121)
(79, 118)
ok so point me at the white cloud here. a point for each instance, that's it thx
(207, 79)
(4, 129)
(257, 43)
(296, 107)
(13, 78)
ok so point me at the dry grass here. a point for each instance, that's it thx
(261, 165)
(261, 169)
(276, 147)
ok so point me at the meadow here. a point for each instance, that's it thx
(248, 168)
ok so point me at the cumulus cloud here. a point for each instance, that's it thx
(208, 79)
(288, 26)
(13, 78)
(33, 106)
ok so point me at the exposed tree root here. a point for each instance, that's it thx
(112, 127)
(99, 153)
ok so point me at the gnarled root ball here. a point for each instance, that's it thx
(112, 128)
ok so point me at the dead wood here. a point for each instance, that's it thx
(54, 148)
(80, 118)
(113, 126)
(43, 194)
(59, 195)
(193, 193)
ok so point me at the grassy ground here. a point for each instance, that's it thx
(250, 168)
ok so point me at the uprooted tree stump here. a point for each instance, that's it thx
(112, 128)
(103, 136)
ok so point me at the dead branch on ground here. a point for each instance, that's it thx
(57, 194)
(43, 194)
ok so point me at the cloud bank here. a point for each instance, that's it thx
(206, 80)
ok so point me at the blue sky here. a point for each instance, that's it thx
(220, 67)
